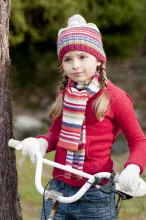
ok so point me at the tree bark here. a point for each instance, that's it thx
(9, 196)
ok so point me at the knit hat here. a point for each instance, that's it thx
(81, 36)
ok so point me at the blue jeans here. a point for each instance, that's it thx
(93, 205)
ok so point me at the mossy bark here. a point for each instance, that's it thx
(10, 208)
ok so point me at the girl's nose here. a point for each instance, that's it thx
(75, 64)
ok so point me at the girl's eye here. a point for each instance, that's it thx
(82, 57)
(67, 59)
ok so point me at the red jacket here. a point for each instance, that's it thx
(100, 136)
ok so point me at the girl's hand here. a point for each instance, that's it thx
(31, 145)
(129, 178)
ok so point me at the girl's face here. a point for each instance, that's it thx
(79, 65)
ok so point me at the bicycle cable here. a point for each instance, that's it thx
(97, 181)
(50, 182)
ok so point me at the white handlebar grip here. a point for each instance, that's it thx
(141, 190)
(14, 143)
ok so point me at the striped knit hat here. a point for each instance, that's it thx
(81, 36)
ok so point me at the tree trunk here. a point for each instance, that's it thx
(9, 196)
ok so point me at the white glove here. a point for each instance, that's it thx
(129, 178)
(31, 145)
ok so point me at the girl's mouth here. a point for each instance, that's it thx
(77, 73)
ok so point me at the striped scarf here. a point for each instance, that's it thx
(73, 129)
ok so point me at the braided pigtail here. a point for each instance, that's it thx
(64, 82)
(102, 71)
(57, 106)
(101, 104)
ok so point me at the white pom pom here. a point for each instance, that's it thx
(76, 20)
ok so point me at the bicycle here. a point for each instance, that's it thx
(91, 180)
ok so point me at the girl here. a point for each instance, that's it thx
(88, 114)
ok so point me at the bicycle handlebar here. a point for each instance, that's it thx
(91, 178)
